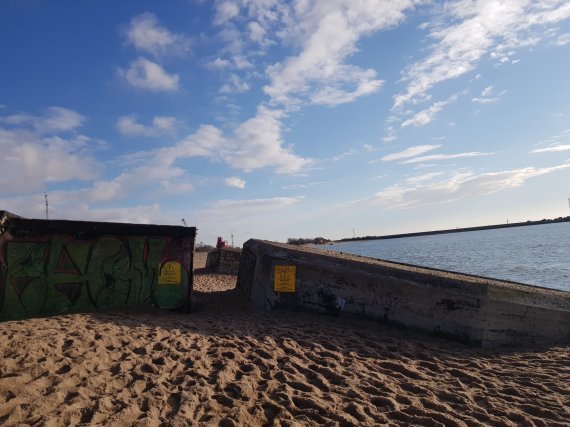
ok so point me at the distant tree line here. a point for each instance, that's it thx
(314, 241)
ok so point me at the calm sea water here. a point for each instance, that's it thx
(536, 255)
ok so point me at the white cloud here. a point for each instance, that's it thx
(484, 100)
(302, 186)
(73, 206)
(460, 185)
(422, 178)
(254, 144)
(410, 152)
(552, 149)
(488, 91)
(161, 125)
(248, 207)
(55, 120)
(327, 33)
(145, 34)
(259, 144)
(236, 47)
(391, 131)
(148, 75)
(29, 161)
(341, 156)
(486, 96)
(138, 214)
(226, 10)
(424, 117)
(218, 64)
(434, 157)
(179, 186)
(234, 85)
(103, 191)
(563, 39)
(473, 29)
(256, 32)
(235, 182)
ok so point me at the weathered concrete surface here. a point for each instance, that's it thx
(475, 310)
(56, 267)
(224, 260)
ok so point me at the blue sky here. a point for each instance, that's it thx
(273, 119)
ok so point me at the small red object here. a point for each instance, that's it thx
(221, 243)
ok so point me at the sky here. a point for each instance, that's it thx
(275, 119)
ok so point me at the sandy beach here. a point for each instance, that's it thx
(225, 365)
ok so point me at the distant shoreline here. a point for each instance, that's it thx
(455, 230)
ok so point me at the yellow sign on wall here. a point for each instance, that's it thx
(284, 278)
(169, 273)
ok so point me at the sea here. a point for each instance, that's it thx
(536, 255)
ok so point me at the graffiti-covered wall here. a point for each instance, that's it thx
(55, 267)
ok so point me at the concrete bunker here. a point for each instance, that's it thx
(475, 310)
(50, 267)
(223, 260)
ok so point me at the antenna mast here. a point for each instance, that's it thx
(47, 207)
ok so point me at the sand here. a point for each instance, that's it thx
(224, 365)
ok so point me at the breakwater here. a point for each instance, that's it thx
(456, 230)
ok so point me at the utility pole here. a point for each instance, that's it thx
(47, 208)
(232, 234)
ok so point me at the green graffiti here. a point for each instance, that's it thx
(63, 275)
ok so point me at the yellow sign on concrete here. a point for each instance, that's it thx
(169, 273)
(284, 278)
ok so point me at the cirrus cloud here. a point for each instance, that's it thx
(410, 152)
(470, 29)
(457, 186)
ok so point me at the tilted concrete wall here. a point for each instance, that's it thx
(55, 267)
(475, 310)
(224, 260)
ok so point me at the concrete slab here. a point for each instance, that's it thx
(224, 260)
(476, 310)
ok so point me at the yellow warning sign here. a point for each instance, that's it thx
(169, 273)
(284, 280)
